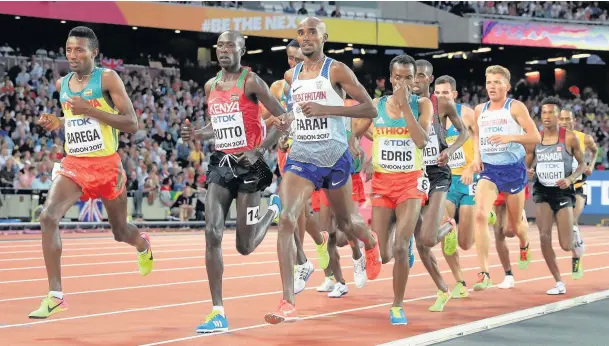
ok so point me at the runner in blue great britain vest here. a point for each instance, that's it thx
(503, 127)
(319, 157)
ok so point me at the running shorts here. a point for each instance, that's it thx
(98, 177)
(501, 197)
(556, 197)
(511, 178)
(225, 171)
(331, 178)
(391, 189)
(319, 197)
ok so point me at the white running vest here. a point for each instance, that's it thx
(317, 140)
(499, 122)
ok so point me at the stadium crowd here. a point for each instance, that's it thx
(570, 10)
(158, 163)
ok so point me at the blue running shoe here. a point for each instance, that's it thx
(274, 200)
(397, 317)
(411, 252)
(214, 322)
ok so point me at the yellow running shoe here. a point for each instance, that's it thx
(484, 282)
(492, 218)
(48, 307)
(323, 257)
(450, 240)
(443, 298)
(146, 261)
(578, 269)
(459, 291)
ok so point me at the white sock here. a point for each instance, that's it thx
(275, 209)
(56, 294)
(220, 309)
(578, 243)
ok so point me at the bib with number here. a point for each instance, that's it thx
(472, 188)
(229, 130)
(310, 129)
(423, 185)
(432, 149)
(395, 154)
(83, 135)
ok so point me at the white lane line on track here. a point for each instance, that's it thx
(118, 312)
(234, 278)
(334, 313)
(436, 252)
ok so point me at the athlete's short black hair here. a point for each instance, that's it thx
(294, 44)
(552, 100)
(85, 32)
(403, 59)
(447, 79)
(425, 63)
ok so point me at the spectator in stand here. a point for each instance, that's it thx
(303, 10)
(321, 11)
(290, 8)
(336, 12)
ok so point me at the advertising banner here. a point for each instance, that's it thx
(597, 190)
(532, 34)
(216, 20)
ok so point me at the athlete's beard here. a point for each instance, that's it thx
(86, 69)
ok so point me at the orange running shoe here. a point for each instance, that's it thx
(285, 312)
(373, 260)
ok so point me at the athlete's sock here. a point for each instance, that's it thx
(509, 272)
(143, 252)
(275, 209)
(578, 243)
(56, 294)
(220, 309)
(463, 283)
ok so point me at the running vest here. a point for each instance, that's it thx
(499, 122)
(464, 155)
(394, 151)
(553, 161)
(581, 137)
(318, 140)
(234, 118)
(437, 137)
(86, 136)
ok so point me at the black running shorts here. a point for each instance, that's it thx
(226, 172)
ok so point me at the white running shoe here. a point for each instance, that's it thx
(326, 286)
(359, 272)
(508, 282)
(338, 291)
(302, 275)
(560, 288)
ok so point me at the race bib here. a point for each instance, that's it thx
(548, 173)
(229, 131)
(457, 159)
(472, 188)
(395, 155)
(423, 185)
(432, 149)
(487, 147)
(310, 129)
(83, 135)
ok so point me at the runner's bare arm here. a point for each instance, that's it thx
(577, 152)
(450, 108)
(530, 156)
(62, 120)
(126, 120)
(419, 130)
(347, 81)
(256, 86)
(522, 116)
(476, 132)
(276, 90)
(590, 153)
(207, 132)
(362, 125)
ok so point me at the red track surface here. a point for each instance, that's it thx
(110, 304)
